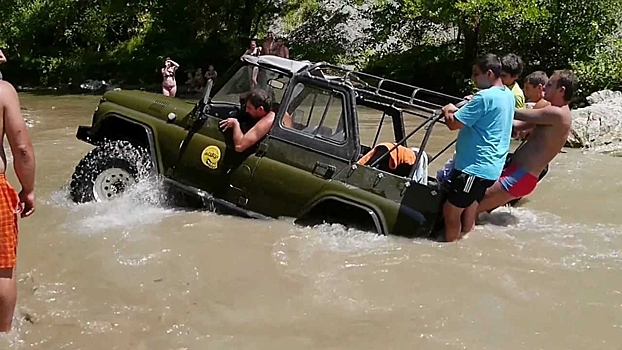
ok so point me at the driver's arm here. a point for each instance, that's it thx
(243, 141)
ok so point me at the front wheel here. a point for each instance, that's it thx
(108, 170)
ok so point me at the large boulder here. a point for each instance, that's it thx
(599, 125)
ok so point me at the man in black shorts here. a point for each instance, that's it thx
(485, 125)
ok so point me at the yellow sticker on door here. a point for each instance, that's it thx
(210, 157)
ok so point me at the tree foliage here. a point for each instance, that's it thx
(426, 42)
(547, 34)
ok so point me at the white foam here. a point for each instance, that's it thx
(142, 204)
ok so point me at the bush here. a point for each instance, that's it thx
(603, 71)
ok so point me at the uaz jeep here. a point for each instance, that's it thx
(307, 168)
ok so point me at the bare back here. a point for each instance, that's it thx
(544, 143)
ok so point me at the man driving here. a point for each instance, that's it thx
(258, 107)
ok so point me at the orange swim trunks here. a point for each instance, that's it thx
(9, 210)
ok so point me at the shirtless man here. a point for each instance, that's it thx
(281, 48)
(534, 93)
(11, 204)
(551, 126)
(534, 89)
(268, 46)
(259, 107)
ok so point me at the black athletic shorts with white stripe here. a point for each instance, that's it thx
(464, 189)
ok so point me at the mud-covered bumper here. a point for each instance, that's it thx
(84, 133)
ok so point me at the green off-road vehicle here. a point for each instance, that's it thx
(308, 166)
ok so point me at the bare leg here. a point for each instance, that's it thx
(453, 226)
(173, 91)
(468, 218)
(495, 197)
(165, 91)
(254, 77)
(8, 298)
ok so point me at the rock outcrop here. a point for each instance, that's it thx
(598, 125)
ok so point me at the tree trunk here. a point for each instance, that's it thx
(471, 36)
(245, 23)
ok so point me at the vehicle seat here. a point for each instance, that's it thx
(402, 170)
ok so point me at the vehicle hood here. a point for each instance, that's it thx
(153, 104)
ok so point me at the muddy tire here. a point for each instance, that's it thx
(108, 170)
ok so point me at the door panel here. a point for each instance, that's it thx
(287, 178)
(310, 142)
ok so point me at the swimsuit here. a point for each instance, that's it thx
(517, 181)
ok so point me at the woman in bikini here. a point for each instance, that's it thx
(169, 85)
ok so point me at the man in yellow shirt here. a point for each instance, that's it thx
(511, 69)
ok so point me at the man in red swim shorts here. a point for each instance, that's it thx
(551, 126)
(11, 204)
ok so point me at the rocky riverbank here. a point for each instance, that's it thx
(598, 125)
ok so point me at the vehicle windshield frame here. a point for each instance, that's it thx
(237, 72)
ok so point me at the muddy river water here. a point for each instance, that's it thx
(130, 274)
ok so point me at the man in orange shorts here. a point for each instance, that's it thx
(11, 204)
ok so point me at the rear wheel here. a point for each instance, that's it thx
(108, 170)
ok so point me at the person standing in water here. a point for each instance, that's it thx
(169, 85)
(13, 204)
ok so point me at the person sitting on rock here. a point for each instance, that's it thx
(258, 107)
(211, 73)
(551, 127)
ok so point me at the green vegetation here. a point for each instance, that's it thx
(427, 42)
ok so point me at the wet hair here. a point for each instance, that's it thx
(260, 98)
(536, 78)
(512, 64)
(489, 62)
(568, 80)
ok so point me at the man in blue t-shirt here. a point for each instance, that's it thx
(485, 124)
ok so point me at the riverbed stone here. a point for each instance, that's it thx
(598, 125)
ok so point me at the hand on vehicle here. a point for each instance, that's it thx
(449, 110)
(27, 203)
(228, 123)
